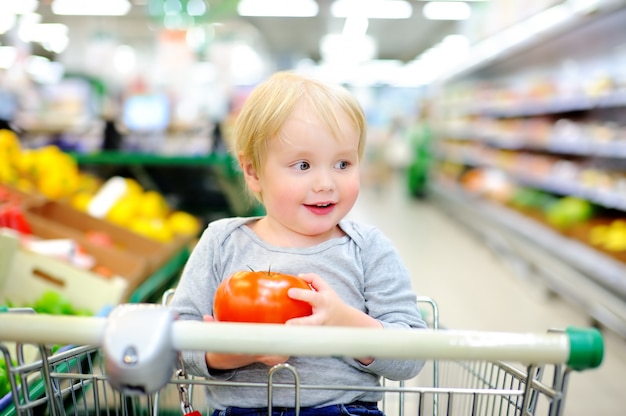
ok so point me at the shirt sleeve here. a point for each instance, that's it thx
(193, 297)
(389, 298)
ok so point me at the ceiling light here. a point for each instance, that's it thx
(447, 10)
(374, 9)
(91, 7)
(350, 49)
(278, 8)
(52, 36)
(355, 26)
(18, 7)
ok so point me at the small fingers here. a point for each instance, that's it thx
(272, 360)
(310, 320)
(301, 294)
(314, 280)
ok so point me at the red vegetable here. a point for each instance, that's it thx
(11, 216)
(261, 297)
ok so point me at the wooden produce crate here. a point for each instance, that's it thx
(66, 220)
(25, 276)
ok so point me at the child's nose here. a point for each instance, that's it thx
(323, 182)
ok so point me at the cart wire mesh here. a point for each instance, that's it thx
(73, 380)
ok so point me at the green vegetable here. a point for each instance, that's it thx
(5, 385)
(53, 303)
(50, 302)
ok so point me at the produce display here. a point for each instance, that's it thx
(11, 214)
(261, 297)
(568, 211)
(557, 142)
(49, 172)
(46, 170)
(610, 236)
(60, 227)
(525, 199)
(145, 212)
(600, 228)
(562, 213)
(52, 303)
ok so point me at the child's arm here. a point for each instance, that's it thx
(219, 361)
(222, 361)
(329, 309)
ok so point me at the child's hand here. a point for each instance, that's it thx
(271, 360)
(226, 361)
(325, 302)
(328, 308)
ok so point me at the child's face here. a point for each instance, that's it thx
(309, 179)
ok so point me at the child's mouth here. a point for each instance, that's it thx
(320, 208)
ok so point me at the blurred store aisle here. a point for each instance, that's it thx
(475, 290)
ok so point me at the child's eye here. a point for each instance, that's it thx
(342, 165)
(302, 165)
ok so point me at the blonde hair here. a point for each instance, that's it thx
(271, 103)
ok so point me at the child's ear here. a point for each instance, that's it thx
(250, 174)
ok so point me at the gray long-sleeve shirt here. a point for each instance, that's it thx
(362, 267)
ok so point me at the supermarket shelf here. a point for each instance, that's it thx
(530, 33)
(150, 159)
(587, 278)
(556, 144)
(555, 105)
(221, 167)
(605, 198)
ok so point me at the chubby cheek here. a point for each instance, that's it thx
(351, 191)
(282, 191)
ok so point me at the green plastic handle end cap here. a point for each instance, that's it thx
(586, 348)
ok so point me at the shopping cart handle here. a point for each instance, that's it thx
(579, 348)
(586, 348)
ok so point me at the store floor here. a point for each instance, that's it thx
(476, 290)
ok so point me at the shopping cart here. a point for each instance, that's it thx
(125, 364)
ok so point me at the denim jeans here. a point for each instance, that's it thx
(352, 409)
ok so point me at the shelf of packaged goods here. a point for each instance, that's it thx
(550, 106)
(555, 145)
(566, 187)
(604, 198)
(221, 166)
(587, 278)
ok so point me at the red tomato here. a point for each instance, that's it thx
(249, 296)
